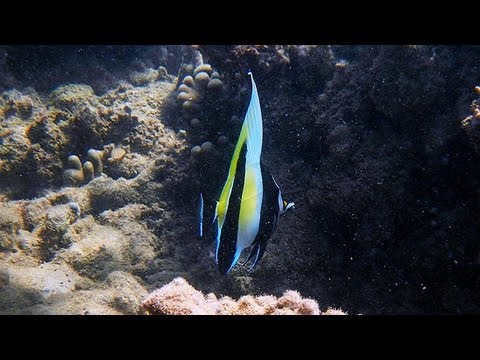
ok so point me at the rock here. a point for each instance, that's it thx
(72, 97)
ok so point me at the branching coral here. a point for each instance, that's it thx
(180, 298)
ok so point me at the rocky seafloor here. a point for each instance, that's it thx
(104, 150)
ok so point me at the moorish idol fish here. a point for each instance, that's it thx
(251, 201)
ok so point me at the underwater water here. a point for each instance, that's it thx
(105, 150)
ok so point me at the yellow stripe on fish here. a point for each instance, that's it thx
(222, 204)
(250, 198)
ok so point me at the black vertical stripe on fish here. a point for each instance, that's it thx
(227, 247)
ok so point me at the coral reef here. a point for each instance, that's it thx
(73, 120)
(85, 249)
(367, 140)
(102, 67)
(180, 298)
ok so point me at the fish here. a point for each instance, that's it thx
(251, 201)
(200, 215)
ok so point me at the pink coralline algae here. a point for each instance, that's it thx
(180, 298)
